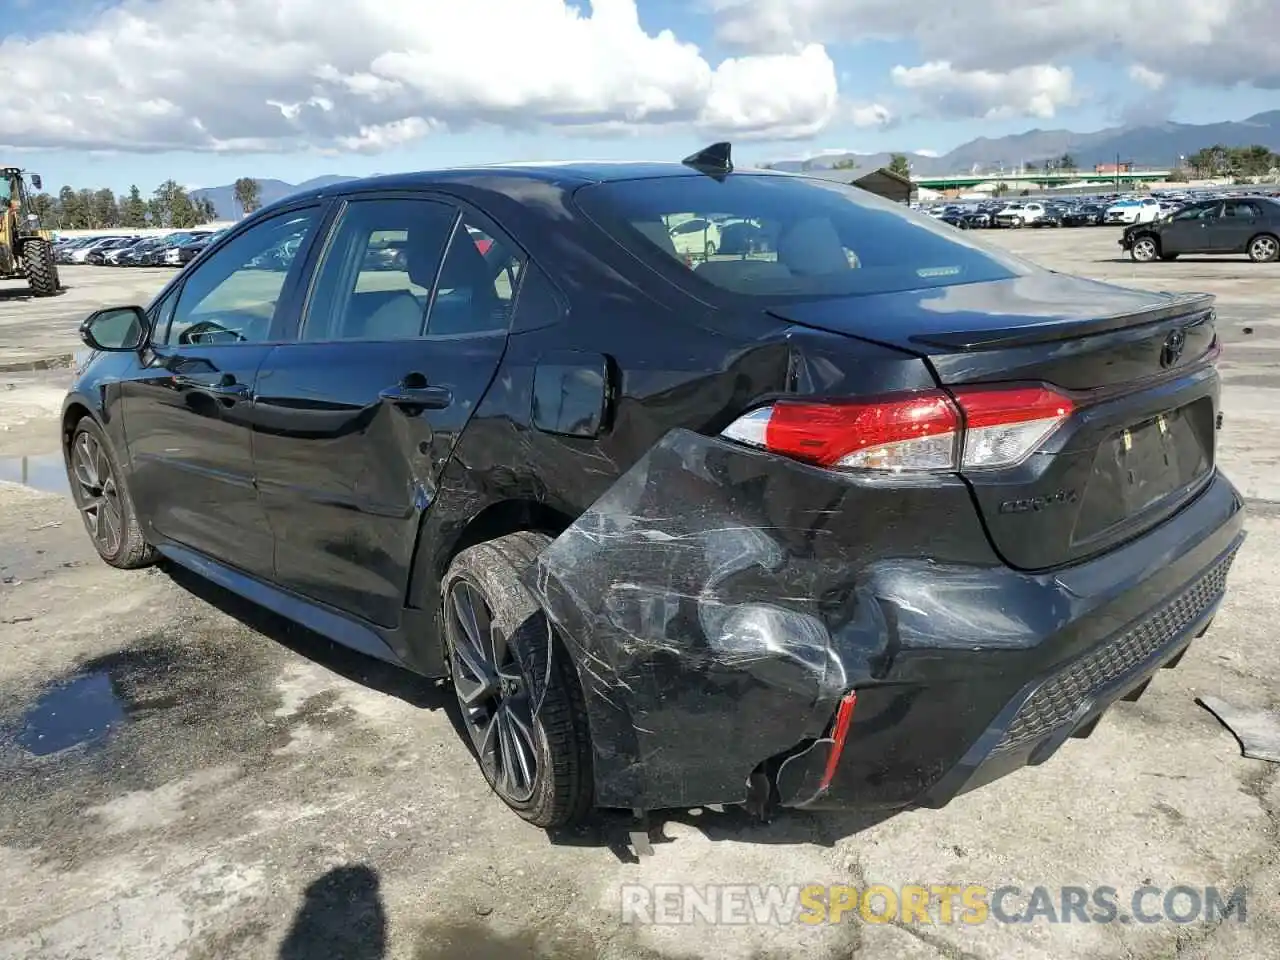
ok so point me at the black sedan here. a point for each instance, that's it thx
(839, 523)
(1085, 215)
(1248, 225)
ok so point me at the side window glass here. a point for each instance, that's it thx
(478, 283)
(162, 312)
(378, 271)
(232, 296)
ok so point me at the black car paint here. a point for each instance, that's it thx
(718, 601)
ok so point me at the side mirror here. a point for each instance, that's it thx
(116, 329)
(37, 182)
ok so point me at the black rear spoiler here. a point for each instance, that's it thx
(1196, 307)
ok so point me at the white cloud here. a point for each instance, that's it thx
(931, 154)
(1216, 42)
(870, 115)
(1036, 91)
(370, 74)
(1146, 78)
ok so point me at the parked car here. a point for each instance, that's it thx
(698, 237)
(181, 255)
(1085, 215)
(1051, 216)
(1134, 210)
(155, 257)
(138, 254)
(81, 254)
(840, 525)
(1248, 225)
(64, 251)
(1019, 214)
(111, 258)
(97, 256)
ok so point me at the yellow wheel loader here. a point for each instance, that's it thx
(26, 250)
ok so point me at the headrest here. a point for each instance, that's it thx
(421, 257)
(464, 265)
(812, 247)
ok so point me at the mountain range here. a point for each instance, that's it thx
(1155, 145)
(269, 191)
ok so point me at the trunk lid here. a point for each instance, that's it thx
(1138, 364)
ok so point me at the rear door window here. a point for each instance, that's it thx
(375, 280)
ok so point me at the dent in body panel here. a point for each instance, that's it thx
(717, 610)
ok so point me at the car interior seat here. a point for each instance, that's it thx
(400, 315)
(811, 247)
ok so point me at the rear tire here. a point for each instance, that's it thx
(559, 790)
(1264, 248)
(42, 268)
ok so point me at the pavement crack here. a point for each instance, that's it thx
(943, 946)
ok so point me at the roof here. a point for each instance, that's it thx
(565, 173)
(886, 172)
(853, 175)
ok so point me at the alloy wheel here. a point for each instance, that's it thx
(495, 697)
(1264, 249)
(97, 493)
(1144, 249)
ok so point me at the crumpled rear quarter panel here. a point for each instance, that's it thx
(718, 601)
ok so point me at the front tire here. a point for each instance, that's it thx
(42, 269)
(1264, 249)
(102, 496)
(1145, 249)
(497, 643)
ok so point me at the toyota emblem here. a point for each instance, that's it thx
(1173, 345)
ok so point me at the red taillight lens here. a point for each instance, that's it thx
(918, 432)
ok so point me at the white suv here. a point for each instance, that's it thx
(1019, 214)
(1143, 210)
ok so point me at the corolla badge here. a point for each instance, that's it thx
(1174, 343)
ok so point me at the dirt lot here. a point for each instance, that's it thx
(187, 777)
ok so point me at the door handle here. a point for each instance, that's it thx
(414, 391)
(227, 387)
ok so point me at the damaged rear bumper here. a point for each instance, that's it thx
(719, 603)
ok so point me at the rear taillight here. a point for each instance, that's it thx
(929, 431)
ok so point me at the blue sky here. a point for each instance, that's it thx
(232, 61)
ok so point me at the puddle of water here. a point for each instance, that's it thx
(44, 471)
(84, 709)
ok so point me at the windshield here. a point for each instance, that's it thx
(787, 237)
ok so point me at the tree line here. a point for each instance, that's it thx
(1239, 163)
(170, 205)
(1236, 162)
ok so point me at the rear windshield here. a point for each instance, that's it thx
(787, 237)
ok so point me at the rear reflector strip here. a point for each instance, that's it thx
(839, 733)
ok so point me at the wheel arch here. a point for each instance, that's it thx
(501, 518)
(74, 410)
(442, 538)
